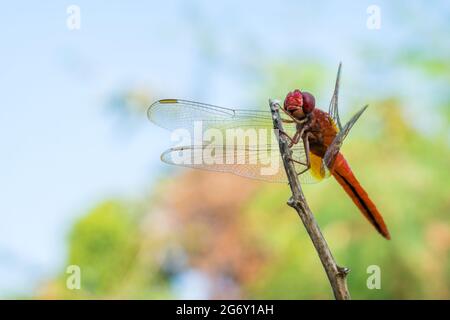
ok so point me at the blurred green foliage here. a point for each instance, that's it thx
(104, 244)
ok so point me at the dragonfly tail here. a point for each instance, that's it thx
(344, 175)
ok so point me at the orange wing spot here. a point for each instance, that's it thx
(316, 166)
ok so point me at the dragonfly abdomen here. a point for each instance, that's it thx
(344, 175)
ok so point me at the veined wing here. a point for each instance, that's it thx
(333, 109)
(174, 114)
(255, 162)
(336, 145)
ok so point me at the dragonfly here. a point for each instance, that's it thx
(315, 138)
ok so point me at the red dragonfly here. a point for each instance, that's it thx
(315, 140)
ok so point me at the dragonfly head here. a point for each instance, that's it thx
(299, 104)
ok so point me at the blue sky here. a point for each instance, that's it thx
(62, 152)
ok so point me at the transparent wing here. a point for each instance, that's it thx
(174, 114)
(336, 145)
(255, 162)
(333, 109)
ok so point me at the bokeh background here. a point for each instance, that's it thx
(81, 182)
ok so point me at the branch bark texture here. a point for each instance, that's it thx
(336, 275)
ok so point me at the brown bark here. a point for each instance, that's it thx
(336, 275)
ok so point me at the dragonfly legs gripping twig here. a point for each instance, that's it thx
(298, 134)
(294, 140)
(308, 160)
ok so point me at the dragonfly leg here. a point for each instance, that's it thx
(293, 118)
(302, 131)
(308, 160)
(297, 136)
(295, 139)
(291, 139)
(299, 162)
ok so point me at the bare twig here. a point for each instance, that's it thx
(336, 275)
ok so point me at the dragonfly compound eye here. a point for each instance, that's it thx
(309, 102)
(293, 101)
